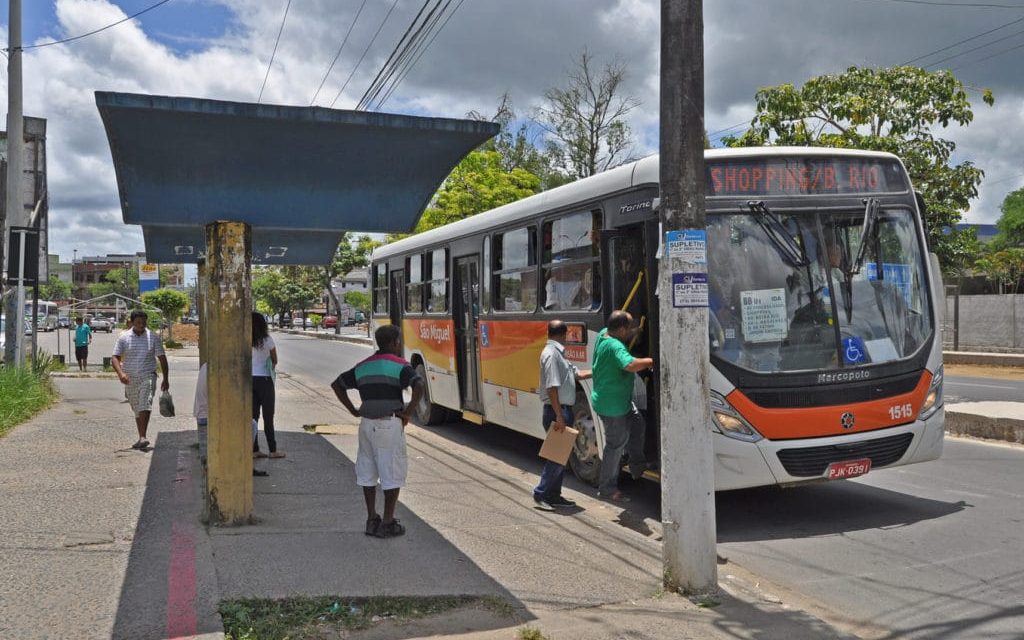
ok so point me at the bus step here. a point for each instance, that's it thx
(472, 417)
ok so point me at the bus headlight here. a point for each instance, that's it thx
(729, 421)
(933, 400)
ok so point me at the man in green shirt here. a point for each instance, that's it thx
(83, 338)
(612, 398)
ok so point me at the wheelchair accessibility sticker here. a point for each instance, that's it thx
(854, 351)
(485, 337)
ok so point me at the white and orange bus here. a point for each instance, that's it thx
(823, 308)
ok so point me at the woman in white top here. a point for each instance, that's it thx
(264, 361)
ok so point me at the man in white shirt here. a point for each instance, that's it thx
(135, 356)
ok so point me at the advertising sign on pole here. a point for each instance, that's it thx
(149, 277)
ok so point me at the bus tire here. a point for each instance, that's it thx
(428, 413)
(585, 459)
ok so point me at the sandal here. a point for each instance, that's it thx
(372, 524)
(258, 454)
(391, 529)
(276, 454)
(258, 473)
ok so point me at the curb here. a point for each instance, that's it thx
(986, 359)
(1000, 421)
(363, 340)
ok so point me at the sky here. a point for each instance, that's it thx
(220, 49)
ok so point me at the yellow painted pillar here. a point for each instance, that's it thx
(229, 368)
(202, 286)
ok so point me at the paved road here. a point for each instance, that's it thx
(967, 389)
(929, 551)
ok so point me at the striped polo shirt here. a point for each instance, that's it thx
(380, 380)
(138, 352)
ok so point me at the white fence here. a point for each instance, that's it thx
(985, 323)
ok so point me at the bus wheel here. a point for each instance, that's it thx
(427, 412)
(585, 460)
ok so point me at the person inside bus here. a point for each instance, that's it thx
(83, 338)
(612, 398)
(558, 378)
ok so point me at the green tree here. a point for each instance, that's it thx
(358, 300)
(1004, 268)
(171, 304)
(268, 289)
(478, 183)
(894, 109)
(1011, 222)
(585, 119)
(347, 257)
(55, 289)
(517, 148)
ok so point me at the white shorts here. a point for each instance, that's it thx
(381, 453)
(140, 391)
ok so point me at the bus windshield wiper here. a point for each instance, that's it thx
(776, 232)
(867, 232)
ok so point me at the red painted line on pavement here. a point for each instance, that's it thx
(181, 572)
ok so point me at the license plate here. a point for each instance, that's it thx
(848, 469)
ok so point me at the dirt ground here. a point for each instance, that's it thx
(981, 371)
(185, 333)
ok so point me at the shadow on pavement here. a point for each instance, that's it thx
(771, 513)
(309, 540)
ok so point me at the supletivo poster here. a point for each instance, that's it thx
(149, 277)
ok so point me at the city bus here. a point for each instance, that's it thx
(823, 304)
(47, 316)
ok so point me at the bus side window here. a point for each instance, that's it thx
(414, 288)
(380, 289)
(437, 274)
(571, 261)
(486, 280)
(515, 270)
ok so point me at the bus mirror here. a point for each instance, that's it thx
(923, 208)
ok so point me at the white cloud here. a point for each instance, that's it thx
(488, 48)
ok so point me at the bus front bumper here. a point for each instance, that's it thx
(740, 465)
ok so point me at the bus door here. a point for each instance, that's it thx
(396, 297)
(466, 313)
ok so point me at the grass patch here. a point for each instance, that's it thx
(24, 392)
(301, 618)
(531, 633)
(172, 344)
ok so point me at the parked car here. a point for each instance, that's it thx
(99, 323)
(360, 317)
(298, 324)
(190, 320)
(63, 322)
(330, 322)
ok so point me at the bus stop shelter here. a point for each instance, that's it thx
(227, 184)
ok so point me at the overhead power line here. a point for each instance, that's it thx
(274, 54)
(94, 32)
(419, 55)
(365, 51)
(996, 54)
(965, 40)
(391, 56)
(973, 49)
(935, 3)
(338, 54)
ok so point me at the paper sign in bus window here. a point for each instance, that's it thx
(764, 315)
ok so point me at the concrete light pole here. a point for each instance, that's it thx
(687, 469)
(15, 206)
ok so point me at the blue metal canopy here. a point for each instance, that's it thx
(187, 162)
(178, 245)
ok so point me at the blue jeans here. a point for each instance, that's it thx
(551, 476)
(621, 433)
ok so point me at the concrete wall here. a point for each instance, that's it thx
(993, 322)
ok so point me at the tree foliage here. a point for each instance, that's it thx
(171, 303)
(359, 300)
(1011, 222)
(284, 289)
(894, 109)
(585, 119)
(1005, 268)
(55, 289)
(349, 255)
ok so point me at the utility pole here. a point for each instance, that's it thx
(687, 469)
(15, 205)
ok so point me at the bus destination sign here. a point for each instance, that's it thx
(787, 176)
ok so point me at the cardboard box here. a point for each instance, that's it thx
(558, 445)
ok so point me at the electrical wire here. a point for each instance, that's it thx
(955, 4)
(94, 32)
(956, 44)
(973, 49)
(419, 55)
(399, 45)
(274, 54)
(409, 51)
(998, 53)
(365, 51)
(338, 54)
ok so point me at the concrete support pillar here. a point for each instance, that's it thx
(202, 286)
(228, 320)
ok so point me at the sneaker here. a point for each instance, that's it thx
(143, 444)
(372, 525)
(542, 504)
(137, 445)
(559, 501)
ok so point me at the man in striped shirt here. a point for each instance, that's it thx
(135, 357)
(382, 415)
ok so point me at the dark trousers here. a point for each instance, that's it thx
(551, 476)
(263, 397)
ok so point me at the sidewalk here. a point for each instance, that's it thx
(100, 541)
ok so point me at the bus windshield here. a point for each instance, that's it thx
(826, 306)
